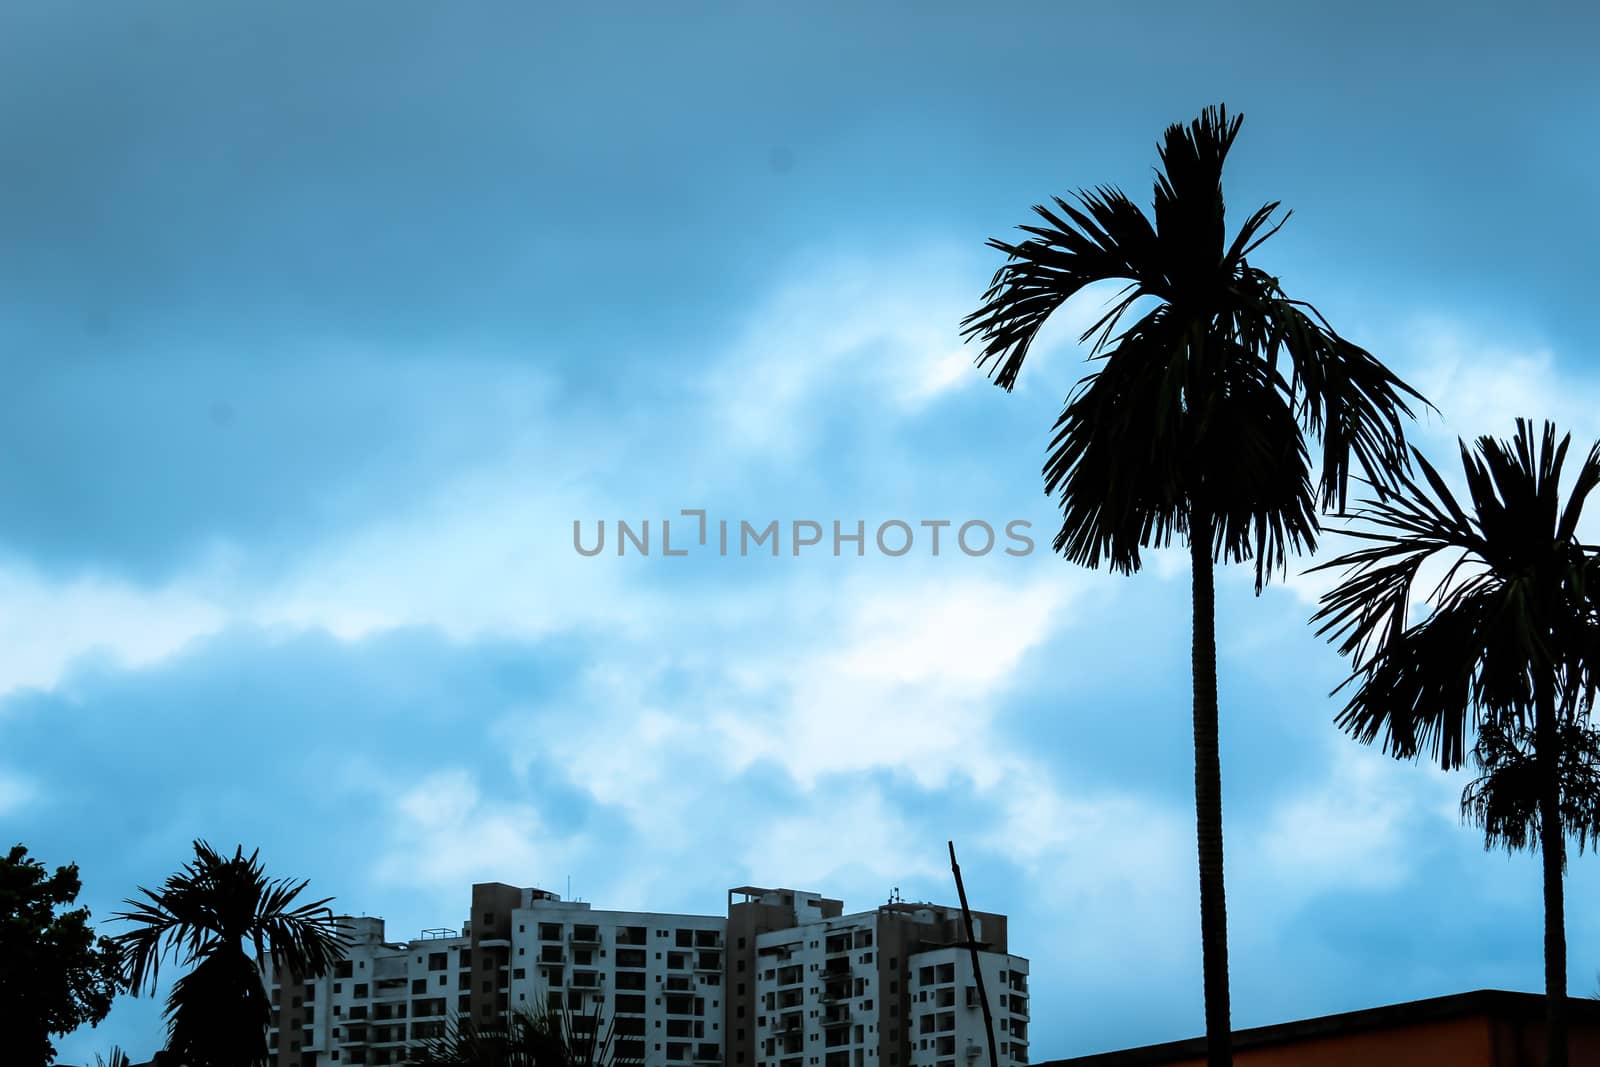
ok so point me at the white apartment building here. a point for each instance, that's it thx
(800, 986)
(886, 988)
(946, 1022)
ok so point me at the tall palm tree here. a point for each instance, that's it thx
(1194, 422)
(1509, 644)
(223, 917)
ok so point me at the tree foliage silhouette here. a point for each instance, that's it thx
(223, 917)
(1503, 801)
(55, 974)
(1193, 424)
(1509, 645)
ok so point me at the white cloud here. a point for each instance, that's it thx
(45, 624)
(1483, 385)
(884, 326)
(447, 834)
(16, 793)
(905, 681)
(848, 828)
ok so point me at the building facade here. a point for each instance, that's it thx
(784, 979)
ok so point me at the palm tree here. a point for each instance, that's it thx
(1503, 801)
(548, 1038)
(224, 918)
(1509, 645)
(1194, 422)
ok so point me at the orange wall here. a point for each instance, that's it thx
(1470, 1042)
(1458, 1042)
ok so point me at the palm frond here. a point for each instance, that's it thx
(1513, 610)
(545, 1037)
(205, 917)
(1503, 801)
(218, 1013)
(1205, 400)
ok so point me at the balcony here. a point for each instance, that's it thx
(585, 935)
(495, 942)
(835, 1017)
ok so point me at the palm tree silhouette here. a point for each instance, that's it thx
(1510, 645)
(1503, 801)
(1194, 422)
(206, 916)
(526, 1038)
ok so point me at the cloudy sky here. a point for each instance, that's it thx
(321, 324)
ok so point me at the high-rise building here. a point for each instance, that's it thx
(785, 979)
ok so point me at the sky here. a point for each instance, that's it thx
(321, 325)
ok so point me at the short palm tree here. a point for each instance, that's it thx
(1509, 646)
(526, 1038)
(1194, 422)
(223, 917)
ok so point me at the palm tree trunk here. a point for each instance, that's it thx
(1552, 848)
(1208, 798)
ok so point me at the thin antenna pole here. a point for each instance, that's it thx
(972, 946)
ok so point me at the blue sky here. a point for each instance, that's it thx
(320, 325)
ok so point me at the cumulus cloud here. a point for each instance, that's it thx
(46, 624)
(447, 834)
(16, 792)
